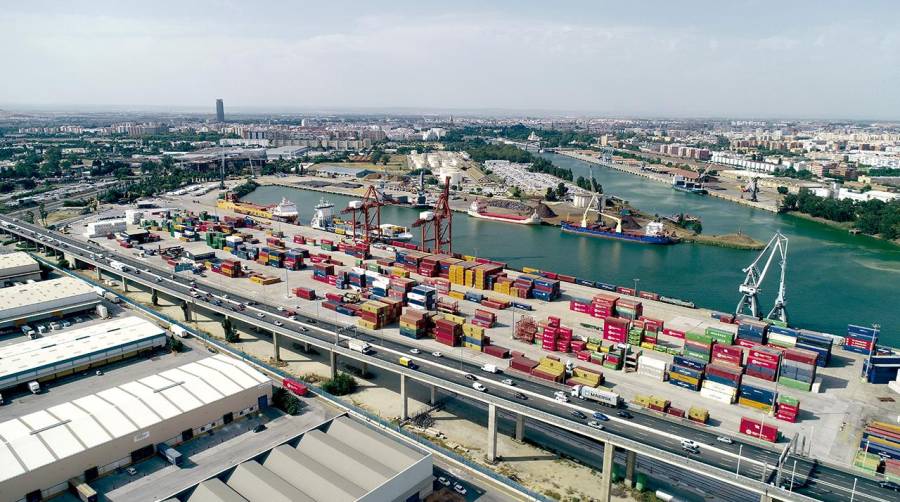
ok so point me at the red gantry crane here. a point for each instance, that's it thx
(366, 215)
(437, 225)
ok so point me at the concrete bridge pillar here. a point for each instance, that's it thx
(99, 274)
(433, 398)
(492, 434)
(520, 427)
(630, 461)
(124, 284)
(186, 308)
(333, 361)
(764, 497)
(404, 399)
(606, 481)
(277, 347)
(154, 297)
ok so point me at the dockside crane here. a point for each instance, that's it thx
(751, 286)
(366, 215)
(437, 225)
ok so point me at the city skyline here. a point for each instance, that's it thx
(759, 59)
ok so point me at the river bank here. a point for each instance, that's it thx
(460, 204)
(714, 190)
(845, 226)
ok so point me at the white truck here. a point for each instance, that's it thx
(117, 265)
(34, 387)
(603, 397)
(490, 368)
(359, 346)
(179, 331)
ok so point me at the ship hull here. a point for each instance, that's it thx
(695, 191)
(524, 221)
(641, 239)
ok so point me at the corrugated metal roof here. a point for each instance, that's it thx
(214, 490)
(37, 439)
(258, 484)
(69, 345)
(17, 260)
(44, 291)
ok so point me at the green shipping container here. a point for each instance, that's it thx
(788, 400)
(698, 337)
(720, 336)
(794, 384)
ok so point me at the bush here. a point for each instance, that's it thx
(340, 385)
(782, 190)
(286, 402)
(175, 345)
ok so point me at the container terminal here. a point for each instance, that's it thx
(659, 327)
(758, 379)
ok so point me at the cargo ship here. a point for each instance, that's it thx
(479, 209)
(324, 219)
(654, 232)
(284, 211)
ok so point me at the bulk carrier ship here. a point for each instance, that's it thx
(285, 211)
(479, 209)
(654, 232)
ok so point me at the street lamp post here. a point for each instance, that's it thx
(636, 281)
(737, 472)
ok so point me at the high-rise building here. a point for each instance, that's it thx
(220, 110)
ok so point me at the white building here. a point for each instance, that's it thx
(99, 433)
(103, 227)
(45, 299)
(18, 267)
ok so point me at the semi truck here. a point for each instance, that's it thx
(359, 346)
(179, 331)
(34, 387)
(603, 397)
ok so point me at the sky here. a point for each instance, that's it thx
(734, 58)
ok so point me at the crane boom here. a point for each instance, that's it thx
(750, 288)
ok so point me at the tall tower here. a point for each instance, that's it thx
(220, 110)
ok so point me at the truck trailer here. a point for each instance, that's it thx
(603, 397)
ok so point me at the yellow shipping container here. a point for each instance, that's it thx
(340, 231)
(529, 270)
(459, 295)
(699, 413)
(469, 258)
(458, 319)
(367, 324)
(754, 404)
(642, 400)
(472, 346)
(473, 331)
(659, 401)
(683, 378)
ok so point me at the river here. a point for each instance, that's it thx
(833, 278)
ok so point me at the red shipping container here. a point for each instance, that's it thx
(676, 412)
(765, 364)
(756, 429)
(674, 333)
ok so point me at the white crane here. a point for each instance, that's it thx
(751, 286)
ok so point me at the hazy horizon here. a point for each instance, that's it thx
(805, 60)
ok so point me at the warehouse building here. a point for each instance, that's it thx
(340, 461)
(45, 299)
(103, 228)
(18, 267)
(88, 437)
(77, 350)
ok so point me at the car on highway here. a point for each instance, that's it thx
(471, 376)
(508, 381)
(259, 428)
(279, 323)
(460, 489)
(260, 315)
(479, 387)
(725, 439)
(131, 471)
(521, 396)
(601, 417)
(889, 485)
(414, 350)
(625, 414)
(561, 398)
(437, 354)
(443, 481)
(579, 415)
(595, 425)
(158, 279)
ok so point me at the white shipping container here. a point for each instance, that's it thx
(782, 339)
(717, 396)
(718, 387)
(652, 362)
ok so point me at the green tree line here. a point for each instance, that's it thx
(873, 217)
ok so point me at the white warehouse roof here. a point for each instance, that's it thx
(47, 436)
(76, 346)
(17, 264)
(52, 294)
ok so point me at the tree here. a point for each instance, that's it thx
(782, 190)
(29, 217)
(340, 385)
(231, 334)
(61, 262)
(286, 402)
(550, 196)
(561, 190)
(175, 345)
(42, 211)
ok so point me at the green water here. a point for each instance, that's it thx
(833, 278)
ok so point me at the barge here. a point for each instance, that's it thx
(479, 209)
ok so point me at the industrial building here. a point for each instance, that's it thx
(18, 267)
(76, 350)
(45, 299)
(96, 434)
(103, 228)
(342, 460)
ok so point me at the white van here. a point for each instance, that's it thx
(490, 368)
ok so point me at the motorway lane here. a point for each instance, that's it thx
(716, 454)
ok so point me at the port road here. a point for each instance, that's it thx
(746, 464)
